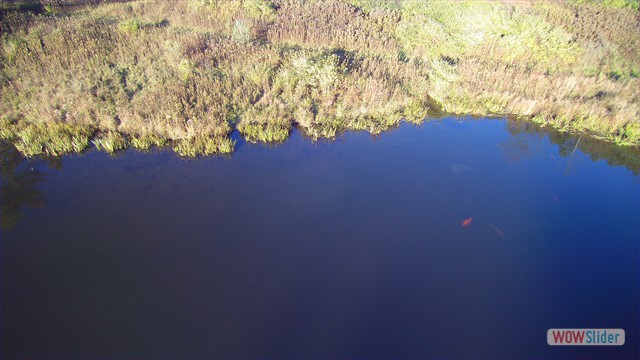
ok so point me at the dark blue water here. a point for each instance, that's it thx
(352, 248)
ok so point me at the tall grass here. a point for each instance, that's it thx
(148, 73)
(531, 59)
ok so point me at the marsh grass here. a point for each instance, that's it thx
(53, 139)
(146, 141)
(268, 124)
(110, 142)
(187, 73)
(203, 145)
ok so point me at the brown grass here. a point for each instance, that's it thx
(145, 73)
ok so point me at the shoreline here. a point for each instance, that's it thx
(34, 140)
(595, 148)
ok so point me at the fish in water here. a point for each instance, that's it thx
(554, 197)
(467, 222)
(498, 231)
(459, 168)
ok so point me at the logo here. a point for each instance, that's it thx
(592, 337)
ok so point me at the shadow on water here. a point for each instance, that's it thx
(526, 140)
(19, 179)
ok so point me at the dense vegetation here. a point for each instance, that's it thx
(187, 73)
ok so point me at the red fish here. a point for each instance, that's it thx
(467, 222)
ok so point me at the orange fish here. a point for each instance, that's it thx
(467, 222)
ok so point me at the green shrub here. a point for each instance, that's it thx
(129, 26)
(263, 9)
(241, 32)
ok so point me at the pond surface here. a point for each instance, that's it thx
(352, 248)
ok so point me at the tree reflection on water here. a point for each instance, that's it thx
(19, 181)
(525, 140)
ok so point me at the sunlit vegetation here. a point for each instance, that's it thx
(189, 72)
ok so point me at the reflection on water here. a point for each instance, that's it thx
(20, 176)
(450, 239)
(526, 138)
(19, 179)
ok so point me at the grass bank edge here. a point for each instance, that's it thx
(57, 139)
